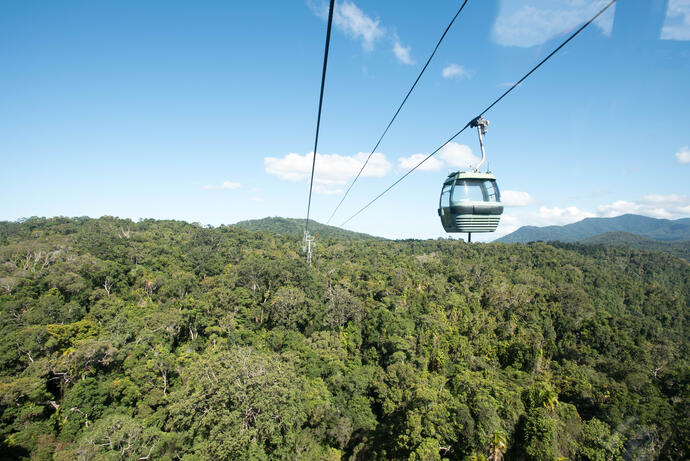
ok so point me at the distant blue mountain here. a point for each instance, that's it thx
(664, 230)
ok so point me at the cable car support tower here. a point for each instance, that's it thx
(308, 238)
(307, 244)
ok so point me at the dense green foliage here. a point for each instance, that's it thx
(166, 340)
(665, 230)
(295, 228)
(626, 239)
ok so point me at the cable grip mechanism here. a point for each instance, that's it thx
(482, 126)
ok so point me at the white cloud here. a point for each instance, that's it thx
(619, 207)
(352, 20)
(458, 155)
(331, 169)
(257, 199)
(452, 154)
(512, 219)
(658, 198)
(326, 190)
(224, 185)
(508, 84)
(683, 155)
(655, 205)
(631, 170)
(292, 167)
(515, 198)
(455, 70)
(677, 22)
(509, 223)
(401, 52)
(407, 163)
(670, 206)
(532, 23)
(560, 216)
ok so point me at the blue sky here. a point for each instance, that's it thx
(205, 111)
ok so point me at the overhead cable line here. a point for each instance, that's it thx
(318, 118)
(515, 85)
(398, 111)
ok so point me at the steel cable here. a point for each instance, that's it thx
(398, 111)
(485, 110)
(318, 118)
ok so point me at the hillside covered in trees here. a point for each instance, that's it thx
(166, 340)
(680, 249)
(295, 228)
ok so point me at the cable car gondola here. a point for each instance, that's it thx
(470, 201)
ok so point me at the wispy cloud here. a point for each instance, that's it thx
(401, 52)
(458, 155)
(630, 170)
(332, 170)
(406, 163)
(350, 19)
(257, 199)
(677, 22)
(455, 71)
(354, 22)
(558, 215)
(515, 198)
(669, 206)
(683, 155)
(224, 185)
(452, 155)
(327, 190)
(655, 205)
(534, 22)
(513, 219)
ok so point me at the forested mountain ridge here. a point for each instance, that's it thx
(679, 249)
(166, 340)
(295, 228)
(665, 230)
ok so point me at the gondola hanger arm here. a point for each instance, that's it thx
(482, 126)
